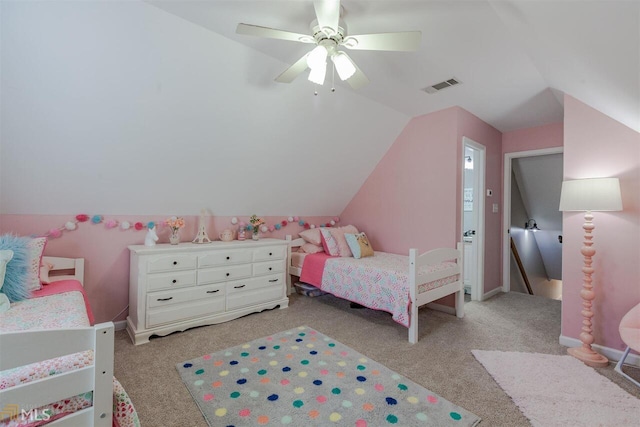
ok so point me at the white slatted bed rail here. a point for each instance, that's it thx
(24, 347)
(21, 348)
(415, 262)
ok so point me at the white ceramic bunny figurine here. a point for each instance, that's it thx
(151, 238)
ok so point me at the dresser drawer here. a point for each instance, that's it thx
(194, 293)
(269, 253)
(178, 279)
(262, 268)
(171, 263)
(222, 274)
(174, 313)
(225, 257)
(240, 286)
(254, 297)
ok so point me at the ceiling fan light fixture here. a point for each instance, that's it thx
(317, 58)
(344, 66)
(317, 75)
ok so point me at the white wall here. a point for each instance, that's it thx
(140, 112)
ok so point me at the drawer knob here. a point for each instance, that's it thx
(228, 257)
(174, 281)
(175, 262)
(165, 299)
(213, 292)
(270, 268)
(270, 253)
(228, 274)
(239, 287)
(273, 280)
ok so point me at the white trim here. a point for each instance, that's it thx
(441, 307)
(120, 325)
(491, 293)
(506, 211)
(608, 352)
(477, 289)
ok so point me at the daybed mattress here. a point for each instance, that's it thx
(380, 282)
(297, 259)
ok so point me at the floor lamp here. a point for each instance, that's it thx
(592, 194)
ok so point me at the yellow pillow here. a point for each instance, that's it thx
(359, 245)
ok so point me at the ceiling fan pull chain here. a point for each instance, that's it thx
(333, 77)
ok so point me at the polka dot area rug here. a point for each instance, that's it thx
(301, 377)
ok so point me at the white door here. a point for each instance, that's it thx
(473, 194)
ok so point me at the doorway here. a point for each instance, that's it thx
(473, 190)
(533, 223)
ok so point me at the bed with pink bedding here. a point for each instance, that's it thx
(397, 284)
(56, 366)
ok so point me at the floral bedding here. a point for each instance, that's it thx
(380, 282)
(63, 310)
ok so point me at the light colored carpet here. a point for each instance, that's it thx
(553, 390)
(302, 377)
(441, 361)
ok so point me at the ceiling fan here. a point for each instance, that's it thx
(329, 33)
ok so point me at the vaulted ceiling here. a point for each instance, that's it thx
(514, 58)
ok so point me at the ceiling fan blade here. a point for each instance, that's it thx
(402, 41)
(328, 14)
(358, 79)
(272, 33)
(292, 72)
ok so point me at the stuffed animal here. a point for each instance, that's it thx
(151, 238)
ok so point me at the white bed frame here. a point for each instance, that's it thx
(24, 347)
(432, 257)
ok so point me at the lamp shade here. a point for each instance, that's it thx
(591, 194)
(344, 66)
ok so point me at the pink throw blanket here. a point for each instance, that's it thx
(313, 267)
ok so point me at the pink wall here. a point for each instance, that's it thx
(412, 198)
(106, 254)
(598, 146)
(408, 199)
(536, 138)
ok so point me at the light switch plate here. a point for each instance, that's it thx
(495, 208)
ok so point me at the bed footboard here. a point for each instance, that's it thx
(450, 265)
(26, 347)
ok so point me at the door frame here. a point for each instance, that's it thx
(506, 212)
(477, 289)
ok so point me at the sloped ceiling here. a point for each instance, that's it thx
(158, 107)
(515, 58)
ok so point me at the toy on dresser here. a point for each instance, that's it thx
(151, 238)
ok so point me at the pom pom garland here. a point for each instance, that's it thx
(138, 226)
(283, 223)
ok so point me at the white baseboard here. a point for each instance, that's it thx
(120, 325)
(609, 353)
(441, 307)
(489, 294)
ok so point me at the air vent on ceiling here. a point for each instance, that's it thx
(442, 85)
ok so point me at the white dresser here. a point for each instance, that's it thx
(176, 287)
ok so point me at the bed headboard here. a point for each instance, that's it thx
(66, 268)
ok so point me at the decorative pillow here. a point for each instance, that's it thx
(338, 235)
(36, 248)
(5, 257)
(329, 243)
(311, 235)
(45, 268)
(17, 270)
(310, 248)
(359, 245)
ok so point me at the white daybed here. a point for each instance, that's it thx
(32, 377)
(425, 278)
